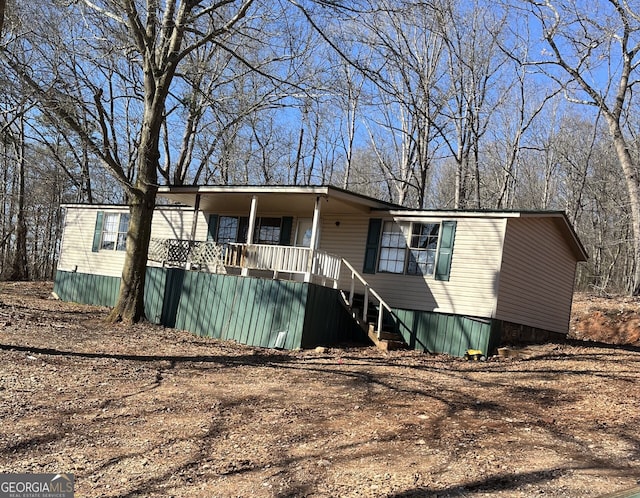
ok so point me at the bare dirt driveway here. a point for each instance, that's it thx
(147, 411)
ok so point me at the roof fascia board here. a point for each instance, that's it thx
(94, 206)
(327, 191)
(114, 207)
(407, 213)
(242, 189)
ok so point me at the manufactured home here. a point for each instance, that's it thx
(300, 266)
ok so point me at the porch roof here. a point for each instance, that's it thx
(294, 199)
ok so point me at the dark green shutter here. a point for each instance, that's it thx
(243, 229)
(443, 265)
(212, 227)
(97, 232)
(285, 231)
(371, 251)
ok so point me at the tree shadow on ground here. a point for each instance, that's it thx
(255, 358)
(494, 483)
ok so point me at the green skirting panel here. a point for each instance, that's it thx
(84, 288)
(253, 311)
(326, 321)
(445, 333)
(100, 290)
(272, 313)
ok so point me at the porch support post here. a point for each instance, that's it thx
(314, 240)
(194, 223)
(251, 229)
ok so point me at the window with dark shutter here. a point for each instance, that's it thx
(371, 250)
(445, 252)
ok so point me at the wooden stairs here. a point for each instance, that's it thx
(376, 317)
(387, 341)
(387, 338)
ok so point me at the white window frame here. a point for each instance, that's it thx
(114, 232)
(423, 246)
(407, 242)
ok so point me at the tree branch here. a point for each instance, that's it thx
(52, 101)
(105, 12)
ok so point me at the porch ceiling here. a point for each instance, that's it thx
(282, 200)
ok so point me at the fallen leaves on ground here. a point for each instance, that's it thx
(147, 411)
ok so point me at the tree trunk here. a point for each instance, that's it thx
(130, 305)
(19, 271)
(3, 8)
(476, 172)
(631, 179)
(142, 200)
(85, 191)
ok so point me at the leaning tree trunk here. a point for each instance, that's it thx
(142, 197)
(130, 305)
(633, 189)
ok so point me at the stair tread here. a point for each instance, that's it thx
(387, 339)
(385, 344)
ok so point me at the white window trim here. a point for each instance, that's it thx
(406, 228)
(117, 233)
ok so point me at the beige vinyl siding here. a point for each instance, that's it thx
(347, 239)
(176, 223)
(471, 289)
(77, 241)
(536, 281)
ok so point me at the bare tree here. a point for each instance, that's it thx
(18, 269)
(433, 70)
(471, 33)
(222, 99)
(141, 68)
(156, 39)
(603, 219)
(403, 58)
(3, 8)
(351, 84)
(524, 99)
(595, 46)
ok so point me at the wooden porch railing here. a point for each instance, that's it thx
(285, 259)
(278, 259)
(356, 278)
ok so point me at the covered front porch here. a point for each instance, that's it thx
(288, 233)
(252, 231)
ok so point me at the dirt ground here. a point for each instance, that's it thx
(147, 411)
(613, 320)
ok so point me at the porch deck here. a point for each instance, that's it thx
(285, 262)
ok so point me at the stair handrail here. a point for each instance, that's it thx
(367, 290)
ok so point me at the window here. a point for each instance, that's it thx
(422, 249)
(416, 258)
(392, 248)
(227, 229)
(303, 232)
(267, 231)
(235, 229)
(232, 229)
(114, 231)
